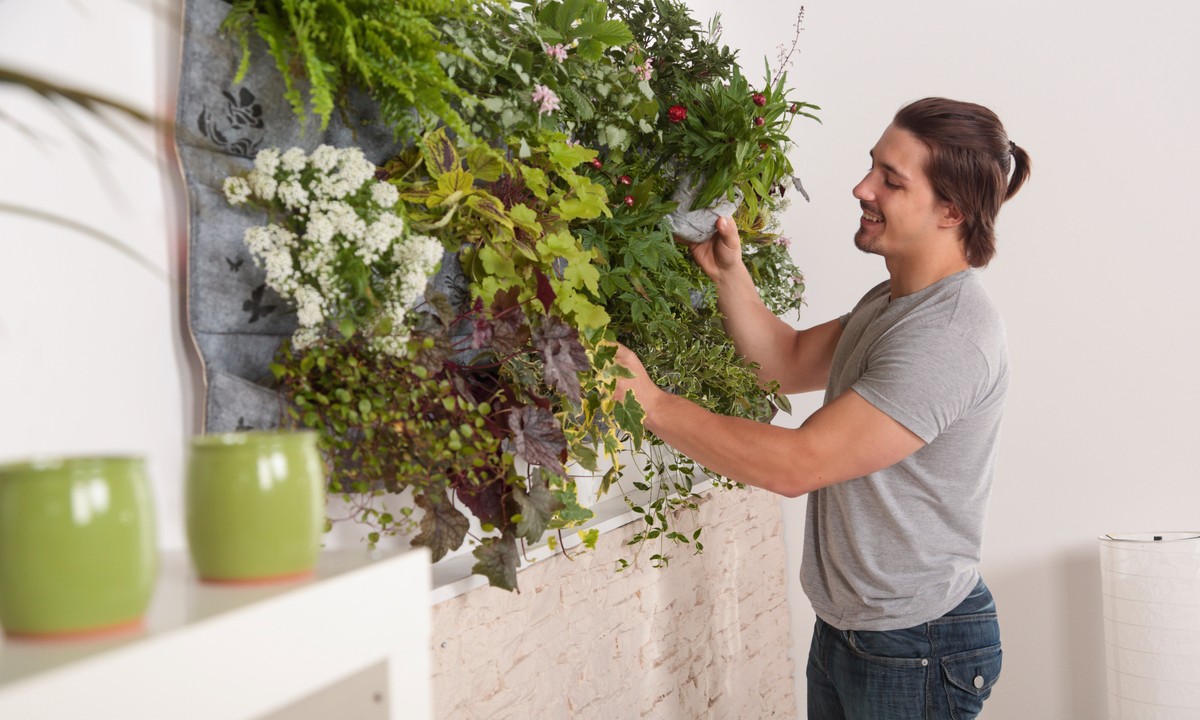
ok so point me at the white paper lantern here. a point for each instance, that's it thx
(1151, 584)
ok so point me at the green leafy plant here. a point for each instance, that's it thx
(388, 47)
(550, 186)
(736, 136)
(573, 56)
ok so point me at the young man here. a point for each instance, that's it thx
(898, 463)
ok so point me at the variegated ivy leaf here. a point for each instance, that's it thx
(563, 356)
(538, 437)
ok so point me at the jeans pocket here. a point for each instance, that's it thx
(969, 677)
(895, 648)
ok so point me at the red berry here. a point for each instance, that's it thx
(629, 201)
(596, 163)
(758, 121)
(677, 113)
(759, 99)
(625, 180)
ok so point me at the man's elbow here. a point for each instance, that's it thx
(794, 484)
(793, 491)
(804, 470)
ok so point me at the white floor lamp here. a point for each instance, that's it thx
(1151, 585)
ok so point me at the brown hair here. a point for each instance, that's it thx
(970, 160)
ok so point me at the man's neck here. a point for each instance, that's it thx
(910, 275)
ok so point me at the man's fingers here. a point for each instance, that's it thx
(727, 229)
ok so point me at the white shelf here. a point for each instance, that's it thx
(214, 652)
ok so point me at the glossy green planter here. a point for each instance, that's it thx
(78, 551)
(255, 505)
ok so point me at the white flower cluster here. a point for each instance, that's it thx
(416, 260)
(334, 217)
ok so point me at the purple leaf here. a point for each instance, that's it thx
(443, 527)
(563, 356)
(485, 502)
(481, 333)
(510, 332)
(538, 437)
(497, 561)
(536, 507)
(545, 293)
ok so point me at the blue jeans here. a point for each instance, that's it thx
(943, 669)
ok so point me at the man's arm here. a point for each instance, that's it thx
(846, 439)
(798, 360)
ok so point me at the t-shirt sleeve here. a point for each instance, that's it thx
(924, 380)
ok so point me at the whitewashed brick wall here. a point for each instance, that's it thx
(707, 637)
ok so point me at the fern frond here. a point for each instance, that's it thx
(390, 47)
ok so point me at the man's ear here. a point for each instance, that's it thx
(951, 216)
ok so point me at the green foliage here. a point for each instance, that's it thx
(683, 51)
(503, 57)
(736, 136)
(387, 422)
(556, 210)
(322, 47)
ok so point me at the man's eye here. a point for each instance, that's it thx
(891, 185)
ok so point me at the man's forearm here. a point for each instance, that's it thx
(757, 334)
(754, 453)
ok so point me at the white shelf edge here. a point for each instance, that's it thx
(453, 577)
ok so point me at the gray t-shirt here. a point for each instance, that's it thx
(899, 547)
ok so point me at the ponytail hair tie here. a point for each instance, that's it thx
(1012, 147)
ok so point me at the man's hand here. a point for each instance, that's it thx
(720, 253)
(642, 387)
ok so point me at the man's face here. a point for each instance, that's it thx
(898, 203)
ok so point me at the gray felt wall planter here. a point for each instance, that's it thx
(238, 322)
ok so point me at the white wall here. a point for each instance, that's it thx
(93, 359)
(1093, 275)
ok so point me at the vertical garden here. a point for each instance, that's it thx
(555, 157)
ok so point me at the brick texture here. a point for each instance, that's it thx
(706, 637)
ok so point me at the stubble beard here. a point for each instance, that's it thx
(864, 242)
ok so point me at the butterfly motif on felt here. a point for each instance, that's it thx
(254, 305)
(235, 266)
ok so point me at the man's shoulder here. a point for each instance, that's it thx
(961, 302)
(958, 307)
(975, 317)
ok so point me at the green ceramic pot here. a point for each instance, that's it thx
(78, 551)
(255, 505)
